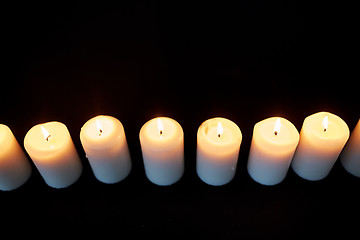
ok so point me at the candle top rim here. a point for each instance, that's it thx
(35, 141)
(337, 127)
(151, 136)
(229, 128)
(288, 134)
(112, 130)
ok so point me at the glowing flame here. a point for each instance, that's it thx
(277, 127)
(160, 126)
(220, 129)
(45, 133)
(99, 126)
(325, 123)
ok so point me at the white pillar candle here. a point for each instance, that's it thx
(218, 145)
(105, 145)
(350, 157)
(162, 145)
(52, 150)
(15, 168)
(272, 148)
(322, 137)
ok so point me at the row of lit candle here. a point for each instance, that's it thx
(276, 144)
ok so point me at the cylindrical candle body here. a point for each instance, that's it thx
(217, 155)
(350, 157)
(54, 155)
(272, 150)
(319, 146)
(163, 150)
(105, 145)
(15, 168)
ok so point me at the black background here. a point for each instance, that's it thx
(246, 61)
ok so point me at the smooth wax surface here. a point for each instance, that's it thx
(272, 150)
(217, 155)
(54, 155)
(103, 139)
(15, 168)
(350, 157)
(163, 150)
(319, 146)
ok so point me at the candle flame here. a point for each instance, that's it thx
(99, 126)
(277, 127)
(220, 129)
(45, 133)
(160, 126)
(325, 123)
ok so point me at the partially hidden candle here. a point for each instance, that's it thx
(350, 157)
(162, 145)
(15, 168)
(322, 137)
(52, 150)
(272, 148)
(105, 145)
(218, 145)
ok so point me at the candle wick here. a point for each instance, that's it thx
(47, 138)
(160, 132)
(276, 133)
(100, 132)
(324, 129)
(218, 135)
